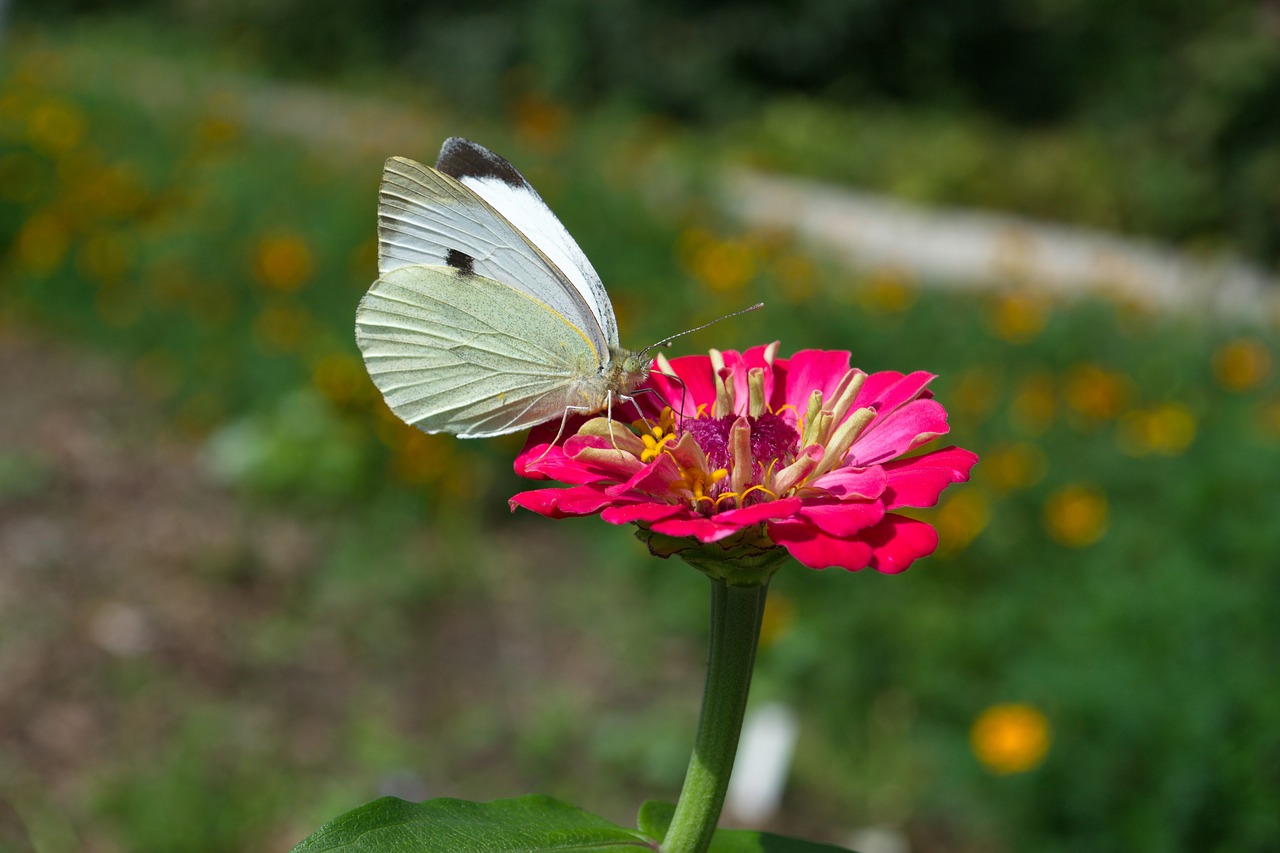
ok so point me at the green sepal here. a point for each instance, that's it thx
(532, 824)
(655, 818)
(747, 558)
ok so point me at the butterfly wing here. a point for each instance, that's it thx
(458, 352)
(427, 216)
(506, 190)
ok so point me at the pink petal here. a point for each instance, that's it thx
(561, 503)
(816, 549)
(702, 529)
(653, 479)
(647, 512)
(897, 542)
(810, 370)
(866, 483)
(541, 501)
(919, 481)
(756, 513)
(890, 389)
(843, 519)
(695, 388)
(888, 437)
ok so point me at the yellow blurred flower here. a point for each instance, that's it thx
(1014, 466)
(282, 262)
(721, 265)
(541, 122)
(779, 616)
(975, 393)
(42, 243)
(105, 256)
(1168, 429)
(1269, 417)
(55, 127)
(282, 326)
(960, 519)
(1010, 738)
(798, 276)
(114, 191)
(1035, 404)
(341, 378)
(887, 290)
(420, 458)
(1018, 317)
(22, 177)
(363, 263)
(1242, 364)
(1097, 393)
(1076, 515)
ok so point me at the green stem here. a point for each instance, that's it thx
(735, 630)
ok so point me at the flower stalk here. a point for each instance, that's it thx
(736, 613)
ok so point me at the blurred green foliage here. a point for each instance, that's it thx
(1113, 564)
(1159, 116)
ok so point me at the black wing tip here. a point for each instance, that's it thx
(461, 158)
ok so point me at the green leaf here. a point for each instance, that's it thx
(655, 818)
(530, 824)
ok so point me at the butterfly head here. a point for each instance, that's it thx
(626, 370)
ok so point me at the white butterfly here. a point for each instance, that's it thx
(486, 317)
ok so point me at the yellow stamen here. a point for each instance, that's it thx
(654, 444)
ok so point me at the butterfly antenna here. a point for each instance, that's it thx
(666, 342)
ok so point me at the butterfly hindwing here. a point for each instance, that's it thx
(458, 352)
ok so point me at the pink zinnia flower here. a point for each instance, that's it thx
(748, 453)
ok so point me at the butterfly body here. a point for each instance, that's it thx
(486, 317)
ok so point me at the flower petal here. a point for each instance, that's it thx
(696, 386)
(646, 512)
(562, 503)
(816, 549)
(892, 435)
(866, 483)
(756, 513)
(887, 390)
(703, 529)
(810, 370)
(843, 518)
(919, 481)
(897, 542)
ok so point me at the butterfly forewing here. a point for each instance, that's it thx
(458, 352)
(428, 217)
(506, 190)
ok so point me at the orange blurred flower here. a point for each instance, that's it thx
(1242, 364)
(1010, 738)
(1076, 515)
(1014, 466)
(1167, 429)
(283, 262)
(1019, 317)
(1097, 393)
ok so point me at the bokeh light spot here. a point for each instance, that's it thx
(1076, 515)
(1010, 738)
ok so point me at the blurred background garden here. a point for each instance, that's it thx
(237, 597)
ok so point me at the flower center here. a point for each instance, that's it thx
(772, 440)
(771, 445)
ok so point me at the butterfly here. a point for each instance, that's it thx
(486, 318)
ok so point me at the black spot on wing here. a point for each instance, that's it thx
(461, 158)
(461, 261)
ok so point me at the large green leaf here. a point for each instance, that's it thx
(530, 824)
(655, 818)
